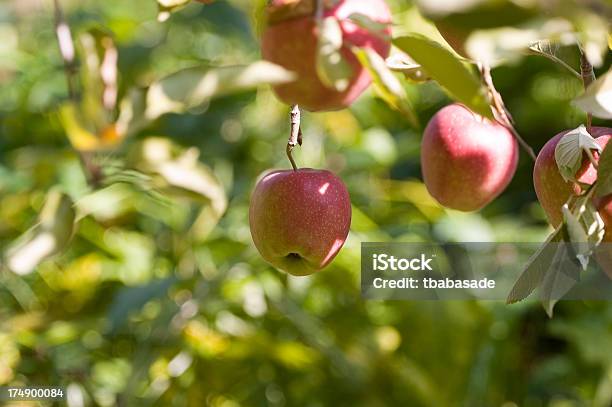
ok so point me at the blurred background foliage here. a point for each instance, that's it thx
(160, 298)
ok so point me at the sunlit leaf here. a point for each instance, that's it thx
(447, 70)
(402, 63)
(132, 113)
(207, 342)
(577, 236)
(388, 86)
(166, 7)
(178, 172)
(295, 355)
(569, 152)
(80, 135)
(593, 222)
(597, 99)
(106, 203)
(99, 76)
(592, 31)
(48, 237)
(332, 68)
(441, 8)
(375, 27)
(194, 87)
(172, 3)
(508, 44)
(133, 254)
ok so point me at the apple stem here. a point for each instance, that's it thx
(592, 159)
(66, 46)
(295, 137)
(588, 77)
(502, 115)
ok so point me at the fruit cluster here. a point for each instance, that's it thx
(300, 218)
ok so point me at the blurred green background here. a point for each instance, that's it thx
(161, 298)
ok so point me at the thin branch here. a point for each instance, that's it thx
(588, 76)
(295, 137)
(559, 61)
(592, 159)
(320, 9)
(66, 46)
(502, 115)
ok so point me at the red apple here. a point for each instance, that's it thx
(300, 219)
(292, 43)
(552, 190)
(466, 159)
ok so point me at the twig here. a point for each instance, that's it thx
(564, 64)
(559, 61)
(502, 115)
(295, 137)
(66, 46)
(588, 77)
(592, 159)
(319, 10)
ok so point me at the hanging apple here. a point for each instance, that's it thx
(466, 159)
(318, 50)
(300, 219)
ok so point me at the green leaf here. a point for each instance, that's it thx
(536, 268)
(49, 236)
(562, 274)
(506, 45)
(132, 299)
(402, 63)
(592, 33)
(592, 220)
(604, 173)
(448, 71)
(81, 134)
(132, 111)
(333, 70)
(386, 83)
(193, 87)
(99, 76)
(107, 203)
(372, 26)
(569, 151)
(442, 8)
(166, 7)
(172, 3)
(577, 236)
(178, 172)
(597, 99)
